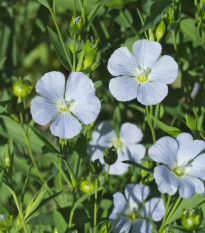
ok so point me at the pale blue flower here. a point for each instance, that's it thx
(126, 144)
(132, 212)
(183, 167)
(141, 75)
(63, 103)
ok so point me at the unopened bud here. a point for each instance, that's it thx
(160, 30)
(21, 88)
(76, 25)
(110, 155)
(5, 220)
(87, 186)
(192, 218)
(96, 167)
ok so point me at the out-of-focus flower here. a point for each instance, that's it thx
(192, 218)
(126, 144)
(59, 102)
(183, 167)
(141, 76)
(5, 220)
(132, 212)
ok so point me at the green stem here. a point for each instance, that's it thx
(165, 215)
(60, 36)
(19, 210)
(72, 175)
(150, 124)
(74, 5)
(173, 209)
(60, 179)
(74, 53)
(70, 218)
(95, 205)
(174, 40)
(127, 20)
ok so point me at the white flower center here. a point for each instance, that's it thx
(65, 105)
(133, 214)
(117, 143)
(179, 171)
(143, 75)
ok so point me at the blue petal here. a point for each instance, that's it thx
(78, 86)
(65, 126)
(186, 187)
(151, 93)
(51, 86)
(164, 151)
(164, 71)
(136, 194)
(86, 108)
(166, 180)
(146, 53)
(130, 133)
(155, 207)
(124, 88)
(122, 62)
(42, 110)
(142, 226)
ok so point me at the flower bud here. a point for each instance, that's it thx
(21, 88)
(192, 218)
(151, 35)
(167, 230)
(76, 25)
(160, 30)
(87, 186)
(7, 157)
(110, 155)
(5, 220)
(96, 167)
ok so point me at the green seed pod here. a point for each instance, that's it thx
(160, 30)
(191, 219)
(96, 167)
(7, 157)
(5, 220)
(110, 155)
(21, 88)
(76, 25)
(87, 186)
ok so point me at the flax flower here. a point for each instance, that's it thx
(65, 103)
(132, 211)
(126, 144)
(183, 166)
(142, 75)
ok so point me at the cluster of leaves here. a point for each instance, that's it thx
(31, 35)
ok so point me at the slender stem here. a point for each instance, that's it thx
(106, 179)
(72, 175)
(19, 210)
(95, 205)
(60, 179)
(74, 5)
(70, 218)
(60, 36)
(128, 21)
(165, 215)
(74, 52)
(175, 42)
(150, 125)
(173, 209)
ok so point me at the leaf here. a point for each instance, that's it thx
(157, 10)
(35, 202)
(186, 204)
(187, 27)
(26, 182)
(173, 131)
(59, 221)
(146, 5)
(98, 84)
(141, 109)
(55, 40)
(1, 177)
(138, 166)
(50, 145)
(2, 62)
(191, 122)
(45, 3)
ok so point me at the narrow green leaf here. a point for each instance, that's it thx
(45, 3)
(1, 177)
(59, 221)
(173, 131)
(138, 166)
(98, 84)
(158, 8)
(55, 40)
(191, 122)
(26, 182)
(2, 62)
(186, 204)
